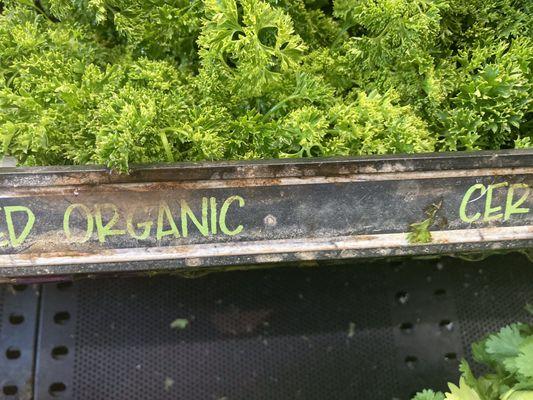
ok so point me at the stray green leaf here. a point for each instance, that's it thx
(419, 231)
(180, 323)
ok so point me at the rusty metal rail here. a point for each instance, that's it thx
(71, 220)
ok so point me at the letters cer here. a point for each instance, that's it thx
(516, 196)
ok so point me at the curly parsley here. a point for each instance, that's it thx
(117, 82)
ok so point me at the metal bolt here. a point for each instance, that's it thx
(270, 220)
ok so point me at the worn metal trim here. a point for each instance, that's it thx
(270, 247)
(295, 210)
(254, 169)
(255, 182)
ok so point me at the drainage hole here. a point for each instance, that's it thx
(406, 327)
(450, 356)
(440, 292)
(10, 390)
(446, 324)
(12, 353)
(62, 317)
(19, 288)
(16, 319)
(56, 389)
(411, 361)
(59, 352)
(402, 297)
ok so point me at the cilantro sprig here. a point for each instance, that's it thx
(509, 356)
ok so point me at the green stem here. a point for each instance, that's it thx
(10, 80)
(38, 9)
(166, 145)
(279, 105)
(342, 31)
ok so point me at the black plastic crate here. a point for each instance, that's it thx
(372, 330)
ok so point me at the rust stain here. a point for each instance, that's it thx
(159, 186)
(307, 168)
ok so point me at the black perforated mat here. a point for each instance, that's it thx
(362, 331)
(279, 334)
(18, 315)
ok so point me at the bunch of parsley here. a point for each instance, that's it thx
(132, 81)
(509, 356)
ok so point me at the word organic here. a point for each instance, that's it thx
(82, 222)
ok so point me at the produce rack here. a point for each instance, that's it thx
(363, 305)
(86, 220)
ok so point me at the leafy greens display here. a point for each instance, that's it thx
(132, 81)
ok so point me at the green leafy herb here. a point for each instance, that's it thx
(117, 82)
(509, 356)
